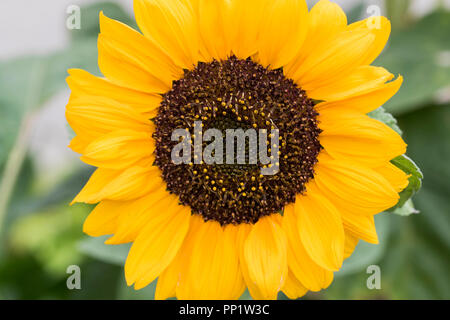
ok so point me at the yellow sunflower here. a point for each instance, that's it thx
(210, 231)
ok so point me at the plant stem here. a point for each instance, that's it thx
(18, 153)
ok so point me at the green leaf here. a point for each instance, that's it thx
(388, 119)
(408, 166)
(415, 53)
(397, 12)
(96, 248)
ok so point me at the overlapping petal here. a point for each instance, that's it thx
(157, 245)
(211, 270)
(352, 136)
(143, 66)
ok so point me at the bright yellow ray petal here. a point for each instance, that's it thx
(363, 80)
(143, 66)
(212, 271)
(325, 20)
(340, 56)
(107, 184)
(157, 245)
(360, 226)
(293, 288)
(171, 25)
(381, 28)
(78, 144)
(103, 219)
(242, 24)
(396, 177)
(119, 149)
(92, 117)
(282, 32)
(353, 187)
(211, 15)
(138, 212)
(366, 102)
(350, 244)
(265, 253)
(310, 274)
(320, 228)
(352, 136)
(243, 232)
(168, 280)
(82, 83)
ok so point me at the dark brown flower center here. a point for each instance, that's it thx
(237, 94)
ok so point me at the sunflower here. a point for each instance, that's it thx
(211, 231)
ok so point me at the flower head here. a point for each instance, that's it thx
(210, 230)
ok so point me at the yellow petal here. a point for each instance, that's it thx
(353, 187)
(352, 136)
(136, 214)
(157, 245)
(325, 20)
(211, 15)
(119, 149)
(171, 25)
(243, 232)
(212, 271)
(339, 56)
(78, 144)
(360, 226)
(92, 117)
(310, 274)
(242, 23)
(378, 26)
(265, 253)
(347, 51)
(82, 83)
(350, 244)
(95, 184)
(366, 102)
(293, 288)
(107, 184)
(283, 32)
(103, 219)
(363, 80)
(168, 280)
(143, 66)
(396, 177)
(320, 228)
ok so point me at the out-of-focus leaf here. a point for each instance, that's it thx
(388, 119)
(414, 53)
(397, 12)
(96, 248)
(62, 193)
(428, 133)
(129, 293)
(415, 180)
(356, 13)
(418, 259)
(51, 236)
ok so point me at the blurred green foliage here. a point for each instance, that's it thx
(42, 235)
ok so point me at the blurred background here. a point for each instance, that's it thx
(41, 235)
